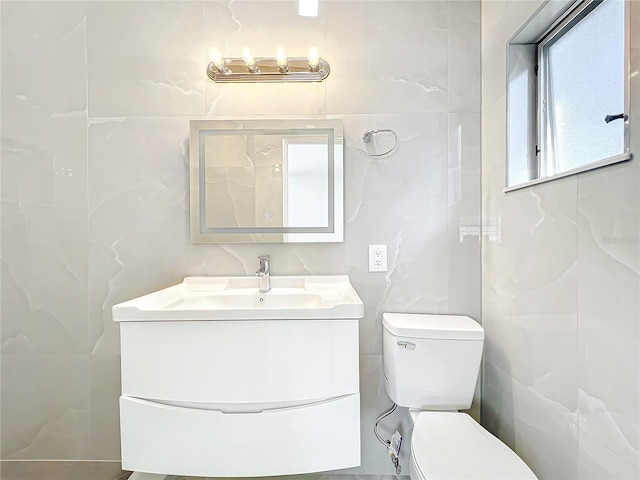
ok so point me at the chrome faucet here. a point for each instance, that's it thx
(263, 274)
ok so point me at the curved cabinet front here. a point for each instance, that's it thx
(240, 398)
(186, 441)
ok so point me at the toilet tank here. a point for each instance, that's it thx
(431, 362)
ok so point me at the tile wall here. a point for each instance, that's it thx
(560, 292)
(96, 102)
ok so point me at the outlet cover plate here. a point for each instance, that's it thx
(377, 258)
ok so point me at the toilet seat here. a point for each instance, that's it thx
(451, 445)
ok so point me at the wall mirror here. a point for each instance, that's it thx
(266, 181)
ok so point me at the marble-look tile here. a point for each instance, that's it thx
(401, 201)
(497, 411)
(137, 199)
(44, 64)
(540, 430)
(45, 406)
(501, 19)
(464, 198)
(597, 462)
(609, 308)
(465, 276)
(61, 470)
(146, 58)
(537, 350)
(231, 26)
(464, 214)
(375, 70)
(464, 56)
(44, 240)
(608, 203)
(528, 312)
(546, 436)
(104, 407)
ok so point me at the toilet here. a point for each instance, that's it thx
(431, 365)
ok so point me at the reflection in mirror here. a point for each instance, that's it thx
(266, 181)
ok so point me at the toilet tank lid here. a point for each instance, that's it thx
(421, 325)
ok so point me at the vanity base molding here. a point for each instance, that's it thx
(166, 439)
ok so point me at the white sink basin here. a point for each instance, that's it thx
(239, 298)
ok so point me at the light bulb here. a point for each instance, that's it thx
(281, 60)
(216, 58)
(313, 59)
(247, 57)
(218, 61)
(249, 61)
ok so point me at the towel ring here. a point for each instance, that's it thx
(368, 138)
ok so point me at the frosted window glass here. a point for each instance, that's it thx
(585, 71)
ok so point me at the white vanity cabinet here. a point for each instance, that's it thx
(238, 398)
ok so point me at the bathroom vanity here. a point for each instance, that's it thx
(221, 380)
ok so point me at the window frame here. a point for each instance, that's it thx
(558, 20)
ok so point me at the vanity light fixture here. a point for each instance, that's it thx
(267, 69)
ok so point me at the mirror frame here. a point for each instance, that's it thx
(201, 233)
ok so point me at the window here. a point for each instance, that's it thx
(568, 92)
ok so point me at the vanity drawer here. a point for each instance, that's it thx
(175, 440)
(240, 362)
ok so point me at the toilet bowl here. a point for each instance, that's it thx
(452, 445)
(431, 365)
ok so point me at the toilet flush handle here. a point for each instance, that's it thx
(407, 345)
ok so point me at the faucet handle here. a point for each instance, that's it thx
(264, 265)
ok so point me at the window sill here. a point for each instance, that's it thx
(584, 168)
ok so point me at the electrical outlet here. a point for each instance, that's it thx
(377, 258)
